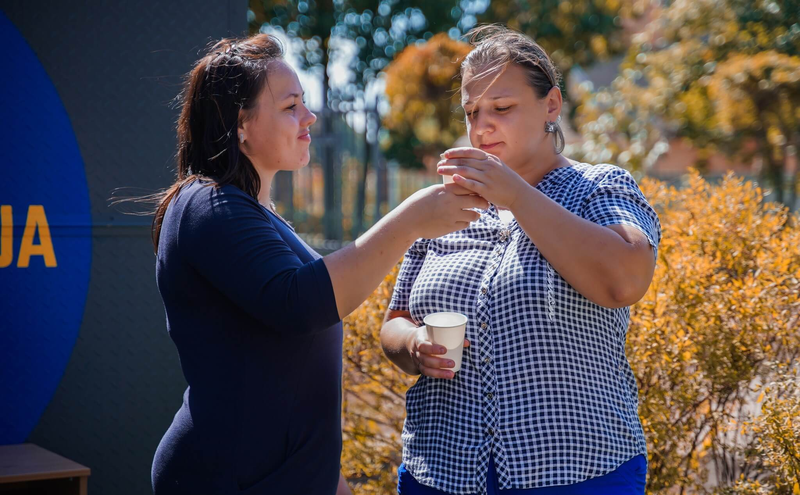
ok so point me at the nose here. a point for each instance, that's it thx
(482, 124)
(309, 118)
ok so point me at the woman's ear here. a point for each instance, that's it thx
(241, 132)
(241, 129)
(554, 103)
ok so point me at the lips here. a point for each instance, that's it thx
(490, 146)
(306, 136)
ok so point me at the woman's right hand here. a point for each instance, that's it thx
(441, 209)
(424, 354)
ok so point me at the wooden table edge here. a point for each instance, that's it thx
(50, 475)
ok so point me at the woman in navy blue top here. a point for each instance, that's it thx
(545, 401)
(255, 313)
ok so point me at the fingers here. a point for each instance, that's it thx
(431, 365)
(437, 373)
(468, 216)
(464, 162)
(473, 185)
(466, 343)
(426, 347)
(473, 202)
(457, 190)
(467, 172)
(434, 362)
(465, 152)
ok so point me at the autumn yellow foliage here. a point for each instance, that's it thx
(422, 89)
(712, 344)
(757, 91)
(374, 398)
(577, 32)
(721, 74)
(723, 310)
(775, 449)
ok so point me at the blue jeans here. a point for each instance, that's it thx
(628, 479)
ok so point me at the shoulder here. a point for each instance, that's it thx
(589, 180)
(205, 199)
(203, 195)
(579, 181)
(206, 208)
(602, 173)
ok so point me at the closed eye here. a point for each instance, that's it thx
(474, 113)
(294, 105)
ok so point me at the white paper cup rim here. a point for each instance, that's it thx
(462, 319)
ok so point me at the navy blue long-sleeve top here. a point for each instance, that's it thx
(252, 312)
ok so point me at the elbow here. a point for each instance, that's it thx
(390, 341)
(628, 282)
(384, 339)
(298, 309)
(625, 294)
(618, 297)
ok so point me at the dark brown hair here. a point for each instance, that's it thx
(226, 80)
(496, 46)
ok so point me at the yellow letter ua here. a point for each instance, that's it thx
(36, 219)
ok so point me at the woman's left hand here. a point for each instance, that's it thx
(483, 174)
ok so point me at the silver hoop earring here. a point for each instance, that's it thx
(241, 138)
(558, 136)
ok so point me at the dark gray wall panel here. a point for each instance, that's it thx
(117, 66)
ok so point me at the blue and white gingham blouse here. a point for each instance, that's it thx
(545, 388)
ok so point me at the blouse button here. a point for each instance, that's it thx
(489, 396)
(486, 360)
(484, 290)
(504, 235)
(483, 325)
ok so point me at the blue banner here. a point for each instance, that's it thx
(45, 238)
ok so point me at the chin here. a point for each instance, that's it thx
(498, 154)
(303, 161)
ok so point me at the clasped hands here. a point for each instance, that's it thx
(484, 174)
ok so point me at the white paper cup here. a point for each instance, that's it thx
(448, 330)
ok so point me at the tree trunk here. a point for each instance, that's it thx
(381, 188)
(332, 222)
(361, 193)
(793, 183)
(773, 169)
(775, 175)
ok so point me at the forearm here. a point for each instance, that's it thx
(591, 258)
(396, 334)
(358, 268)
(343, 488)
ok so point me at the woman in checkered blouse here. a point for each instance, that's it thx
(545, 401)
